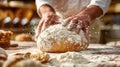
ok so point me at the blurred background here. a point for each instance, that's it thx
(19, 16)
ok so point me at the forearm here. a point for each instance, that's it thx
(92, 12)
(45, 9)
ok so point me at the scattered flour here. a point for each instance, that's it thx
(69, 59)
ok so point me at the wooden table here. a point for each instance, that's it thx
(96, 53)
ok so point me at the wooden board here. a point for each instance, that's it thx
(96, 53)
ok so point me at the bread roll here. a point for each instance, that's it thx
(24, 37)
(40, 56)
(5, 37)
(7, 22)
(57, 38)
(16, 4)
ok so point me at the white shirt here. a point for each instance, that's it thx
(66, 8)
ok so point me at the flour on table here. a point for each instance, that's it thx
(72, 57)
(69, 59)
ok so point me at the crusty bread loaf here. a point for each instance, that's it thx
(5, 37)
(57, 38)
(24, 37)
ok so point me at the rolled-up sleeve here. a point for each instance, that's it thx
(41, 2)
(103, 4)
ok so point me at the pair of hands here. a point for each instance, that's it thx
(74, 23)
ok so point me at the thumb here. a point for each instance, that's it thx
(37, 31)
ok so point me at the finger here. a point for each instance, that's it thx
(84, 27)
(66, 21)
(47, 20)
(78, 28)
(71, 26)
(59, 20)
(43, 27)
(40, 25)
(86, 31)
(37, 31)
(52, 20)
(80, 23)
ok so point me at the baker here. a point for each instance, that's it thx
(75, 12)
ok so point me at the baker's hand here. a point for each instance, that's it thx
(78, 22)
(47, 19)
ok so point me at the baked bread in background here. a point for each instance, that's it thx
(5, 37)
(40, 56)
(57, 38)
(16, 4)
(2, 15)
(24, 37)
(113, 43)
(7, 22)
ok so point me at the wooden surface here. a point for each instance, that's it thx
(92, 49)
(96, 53)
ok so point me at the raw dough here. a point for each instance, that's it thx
(57, 38)
(41, 56)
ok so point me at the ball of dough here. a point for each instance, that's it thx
(41, 56)
(57, 38)
(24, 37)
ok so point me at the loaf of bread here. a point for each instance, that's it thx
(57, 38)
(5, 37)
(40, 56)
(24, 37)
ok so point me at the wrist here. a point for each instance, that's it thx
(92, 12)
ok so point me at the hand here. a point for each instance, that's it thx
(78, 22)
(47, 19)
